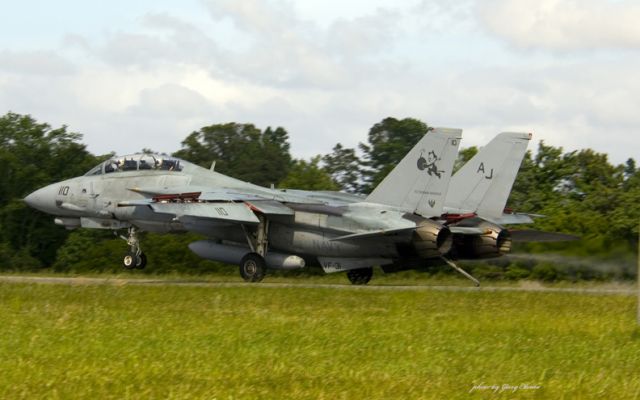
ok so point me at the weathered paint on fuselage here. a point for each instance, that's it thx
(308, 232)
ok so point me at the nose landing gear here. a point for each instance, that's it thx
(134, 258)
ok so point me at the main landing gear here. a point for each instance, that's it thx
(253, 267)
(134, 258)
(360, 276)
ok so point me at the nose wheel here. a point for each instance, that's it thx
(134, 258)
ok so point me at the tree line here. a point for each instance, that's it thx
(579, 192)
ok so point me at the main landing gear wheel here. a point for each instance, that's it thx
(252, 267)
(360, 276)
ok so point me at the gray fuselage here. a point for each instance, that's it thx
(103, 200)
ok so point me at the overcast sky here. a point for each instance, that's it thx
(145, 73)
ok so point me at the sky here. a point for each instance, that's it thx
(141, 74)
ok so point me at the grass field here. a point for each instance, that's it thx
(103, 341)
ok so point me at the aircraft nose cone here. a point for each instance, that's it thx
(41, 199)
(31, 199)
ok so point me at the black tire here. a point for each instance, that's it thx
(141, 261)
(360, 276)
(130, 260)
(252, 267)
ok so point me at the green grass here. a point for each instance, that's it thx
(403, 278)
(102, 341)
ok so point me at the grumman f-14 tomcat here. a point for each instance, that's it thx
(410, 219)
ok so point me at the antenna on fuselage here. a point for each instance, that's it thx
(213, 166)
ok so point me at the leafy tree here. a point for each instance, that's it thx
(241, 151)
(88, 250)
(541, 179)
(388, 142)
(33, 155)
(308, 175)
(631, 174)
(464, 155)
(580, 192)
(344, 167)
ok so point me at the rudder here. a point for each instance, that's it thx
(484, 183)
(420, 181)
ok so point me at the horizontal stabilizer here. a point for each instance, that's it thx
(530, 235)
(512, 219)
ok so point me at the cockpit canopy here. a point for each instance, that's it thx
(138, 162)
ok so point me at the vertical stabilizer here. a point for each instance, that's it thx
(484, 183)
(420, 181)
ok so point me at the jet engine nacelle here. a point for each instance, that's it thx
(494, 242)
(431, 239)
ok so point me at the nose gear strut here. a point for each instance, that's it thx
(134, 258)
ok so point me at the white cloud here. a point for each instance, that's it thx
(564, 24)
(365, 35)
(161, 40)
(151, 84)
(575, 106)
(42, 63)
(290, 52)
(173, 100)
(269, 18)
(445, 15)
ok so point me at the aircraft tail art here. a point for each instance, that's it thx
(483, 184)
(420, 181)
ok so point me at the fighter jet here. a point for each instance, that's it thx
(260, 228)
(411, 217)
